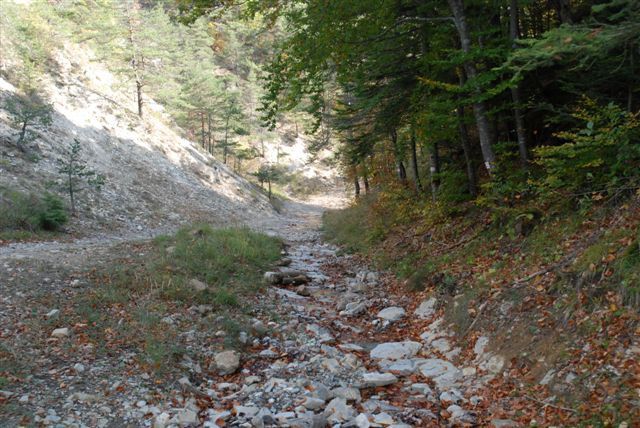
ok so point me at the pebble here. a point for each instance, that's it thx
(60, 333)
(339, 411)
(53, 314)
(313, 403)
(226, 362)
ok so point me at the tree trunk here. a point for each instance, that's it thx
(203, 134)
(466, 149)
(226, 145)
(139, 96)
(209, 134)
(630, 86)
(71, 195)
(515, 91)
(401, 170)
(414, 162)
(356, 184)
(23, 132)
(434, 170)
(137, 61)
(563, 7)
(365, 178)
(479, 107)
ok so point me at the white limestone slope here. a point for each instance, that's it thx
(155, 179)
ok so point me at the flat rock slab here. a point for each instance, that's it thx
(395, 350)
(403, 367)
(374, 379)
(443, 373)
(393, 313)
(426, 309)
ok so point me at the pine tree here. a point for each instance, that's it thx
(76, 172)
(28, 112)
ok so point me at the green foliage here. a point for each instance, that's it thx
(27, 212)
(421, 277)
(453, 187)
(29, 37)
(27, 113)
(54, 214)
(603, 154)
(76, 172)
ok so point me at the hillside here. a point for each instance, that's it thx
(155, 179)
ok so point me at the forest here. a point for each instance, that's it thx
(510, 103)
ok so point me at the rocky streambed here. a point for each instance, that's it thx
(330, 344)
(345, 353)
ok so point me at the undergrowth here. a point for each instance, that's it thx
(428, 247)
(570, 277)
(24, 215)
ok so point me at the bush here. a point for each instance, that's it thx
(20, 211)
(601, 155)
(54, 214)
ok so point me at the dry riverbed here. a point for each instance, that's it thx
(336, 347)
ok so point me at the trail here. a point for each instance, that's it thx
(339, 351)
(348, 353)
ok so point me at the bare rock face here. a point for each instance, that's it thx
(226, 362)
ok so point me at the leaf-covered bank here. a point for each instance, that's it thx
(556, 295)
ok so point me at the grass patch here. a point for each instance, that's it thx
(349, 227)
(218, 268)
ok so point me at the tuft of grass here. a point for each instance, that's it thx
(133, 298)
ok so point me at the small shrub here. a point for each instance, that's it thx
(76, 172)
(20, 211)
(421, 277)
(27, 113)
(54, 214)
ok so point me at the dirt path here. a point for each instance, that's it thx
(337, 351)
